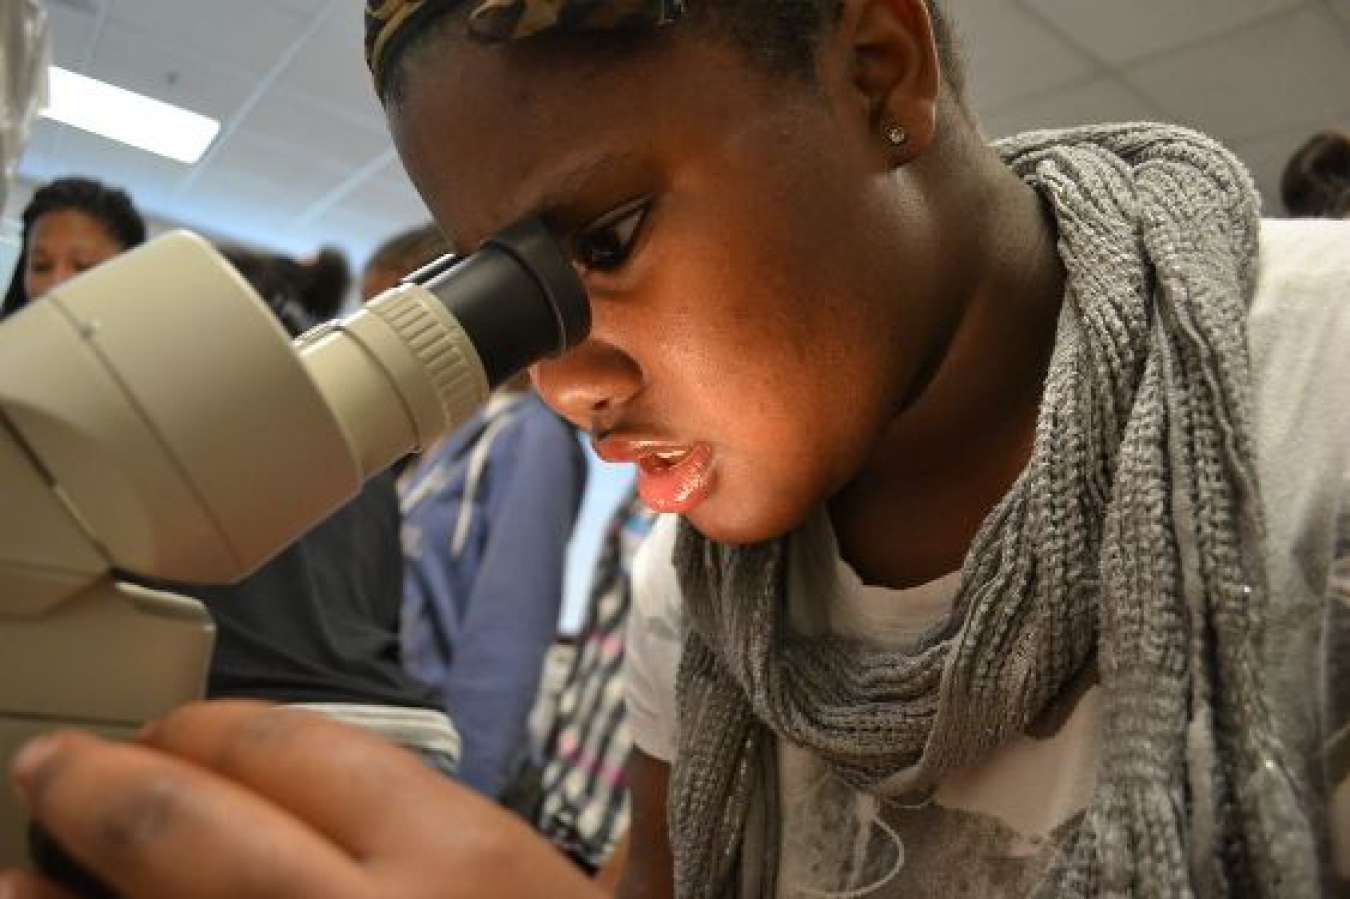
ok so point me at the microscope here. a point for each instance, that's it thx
(156, 421)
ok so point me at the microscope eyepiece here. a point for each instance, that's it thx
(517, 298)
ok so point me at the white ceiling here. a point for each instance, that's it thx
(303, 159)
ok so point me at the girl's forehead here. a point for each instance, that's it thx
(488, 137)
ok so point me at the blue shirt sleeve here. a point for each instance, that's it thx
(534, 478)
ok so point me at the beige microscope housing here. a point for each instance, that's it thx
(156, 419)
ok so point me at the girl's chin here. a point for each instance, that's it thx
(737, 524)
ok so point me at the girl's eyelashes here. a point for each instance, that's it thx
(606, 244)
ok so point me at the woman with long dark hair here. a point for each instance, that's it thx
(70, 225)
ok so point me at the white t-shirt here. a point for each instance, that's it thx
(994, 829)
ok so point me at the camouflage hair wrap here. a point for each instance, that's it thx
(389, 23)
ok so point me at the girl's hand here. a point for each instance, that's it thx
(231, 799)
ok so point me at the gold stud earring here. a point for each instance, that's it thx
(896, 135)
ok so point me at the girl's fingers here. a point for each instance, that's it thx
(228, 799)
(362, 792)
(26, 885)
(155, 827)
(423, 833)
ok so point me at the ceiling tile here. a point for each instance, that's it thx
(73, 29)
(70, 151)
(248, 153)
(310, 7)
(318, 130)
(1117, 32)
(143, 62)
(248, 39)
(1231, 88)
(359, 231)
(229, 189)
(1011, 54)
(330, 69)
(82, 7)
(246, 208)
(242, 210)
(390, 198)
(1099, 100)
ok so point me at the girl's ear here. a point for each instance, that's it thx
(892, 64)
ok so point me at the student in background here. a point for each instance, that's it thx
(487, 515)
(583, 804)
(1316, 179)
(301, 292)
(401, 255)
(70, 225)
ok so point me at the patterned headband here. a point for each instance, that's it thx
(389, 23)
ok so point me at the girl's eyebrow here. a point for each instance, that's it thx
(563, 199)
(569, 187)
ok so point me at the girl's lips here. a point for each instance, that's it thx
(671, 477)
(675, 481)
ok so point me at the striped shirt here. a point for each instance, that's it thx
(584, 807)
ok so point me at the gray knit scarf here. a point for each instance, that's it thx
(1135, 534)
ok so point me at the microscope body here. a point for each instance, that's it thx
(156, 421)
(119, 397)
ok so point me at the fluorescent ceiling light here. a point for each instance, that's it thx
(128, 117)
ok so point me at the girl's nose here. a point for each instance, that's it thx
(588, 383)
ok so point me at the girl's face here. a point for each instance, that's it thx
(61, 245)
(761, 289)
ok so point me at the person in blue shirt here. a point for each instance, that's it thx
(488, 513)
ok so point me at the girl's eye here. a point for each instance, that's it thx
(605, 245)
